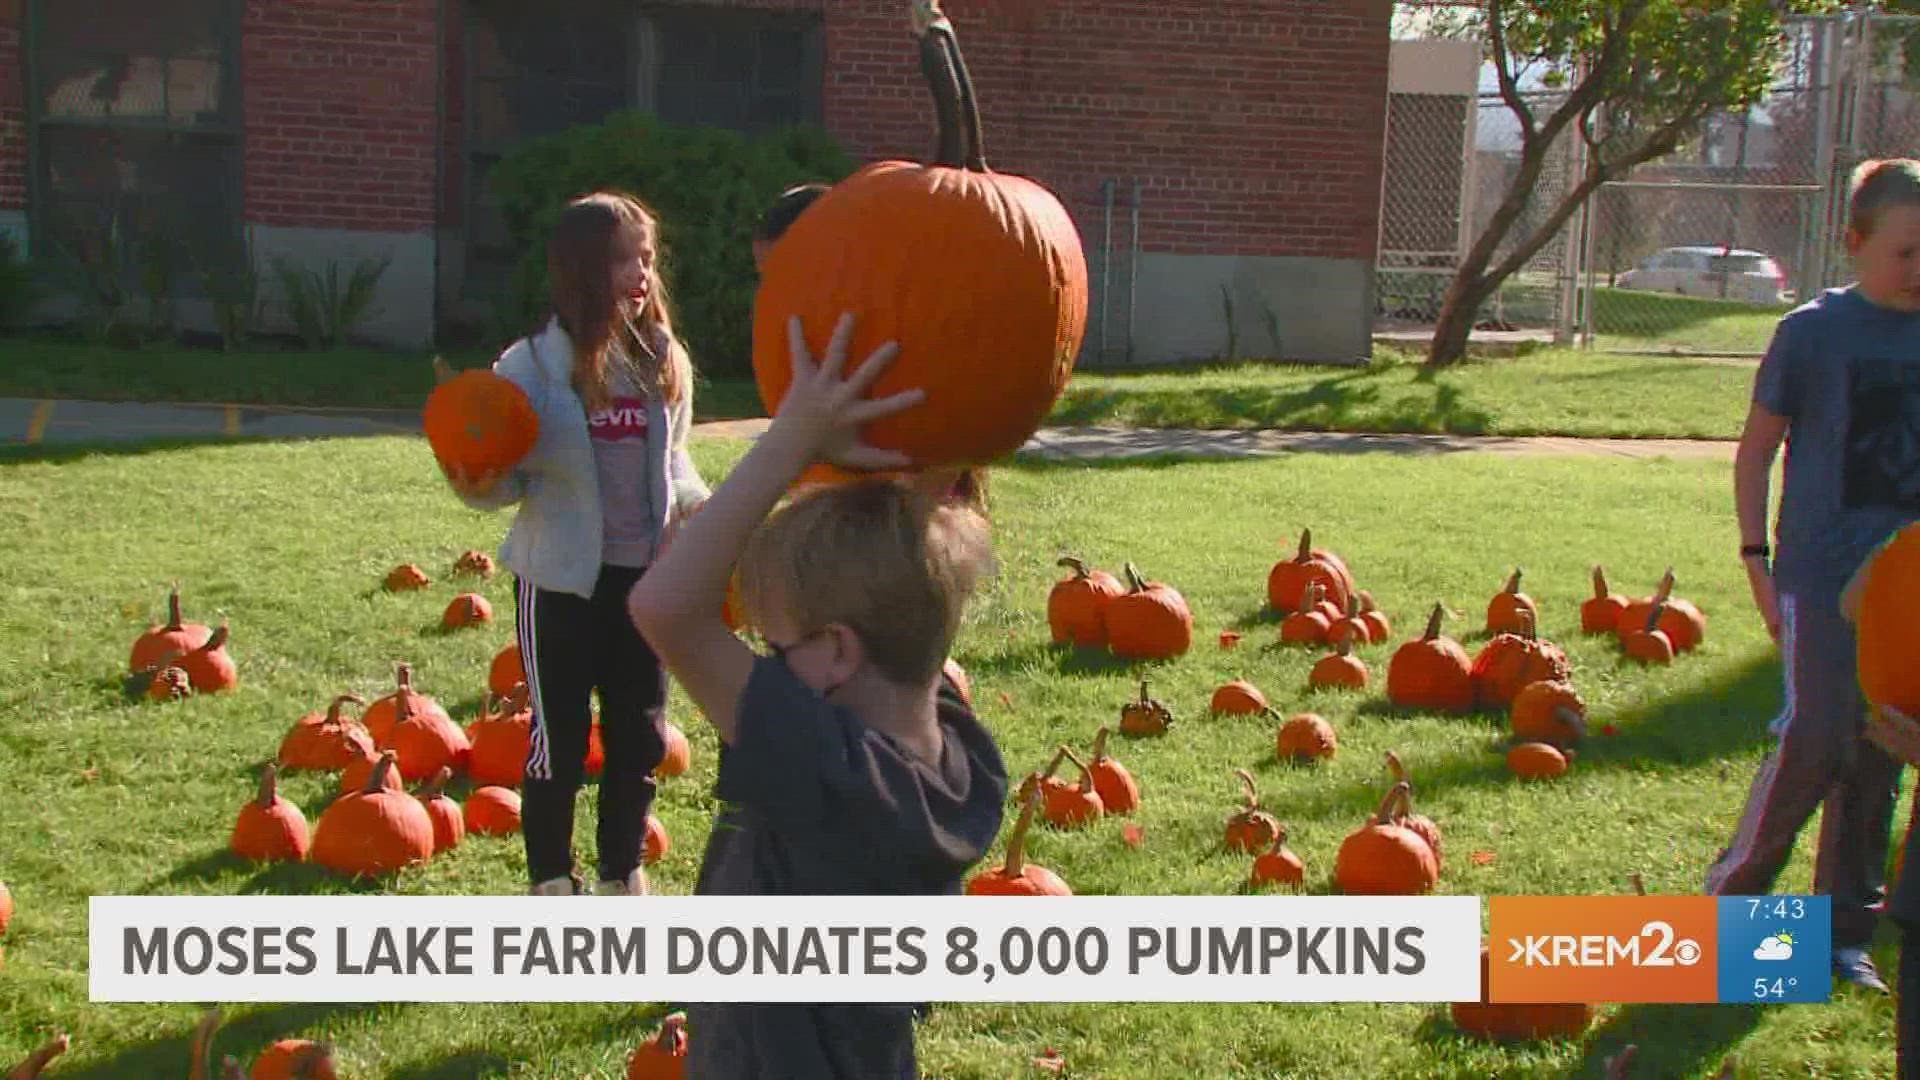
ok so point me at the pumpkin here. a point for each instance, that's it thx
(374, 831)
(493, 811)
(1511, 610)
(1305, 739)
(1277, 865)
(359, 771)
(1537, 761)
(449, 825)
(1349, 627)
(1077, 605)
(498, 741)
(406, 578)
(326, 741)
(1070, 806)
(1385, 858)
(210, 669)
(6, 907)
(1341, 670)
(1015, 876)
(295, 1059)
(1889, 594)
(1511, 661)
(1424, 827)
(384, 713)
(506, 672)
(1308, 626)
(478, 422)
(270, 828)
(1378, 628)
(957, 675)
(155, 648)
(467, 609)
(426, 742)
(1238, 698)
(168, 683)
(1119, 792)
(1683, 623)
(1549, 712)
(1515, 1021)
(1251, 829)
(979, 276)
(1600, 613)
(663, 1057)
(37, 1062)
(1287, 582)
(1431, 672)
(473, 564)
(1150, 621)
(1044, 780)
(656, 843)
(678, 756)
(1145, 717)
(1650, 644)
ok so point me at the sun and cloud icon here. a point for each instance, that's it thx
(1777, 947)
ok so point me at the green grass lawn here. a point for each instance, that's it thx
(290, 541)
(1629, 320)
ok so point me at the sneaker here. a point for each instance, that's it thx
(560, 886)
(634, 885)
(1854, 966)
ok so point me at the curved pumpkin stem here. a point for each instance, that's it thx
(1639, 883)
(1100, 744)
(377, 779)
(1665, 591)
(1086, 771)
(1305, 553)
(1513, 583)
(1654, 613)
(1345, 647)
(1433, 623)
(403, 675)
(1136, 583)
(952, 88)
(1398, 770)
(1253, 794)
(1600, 590)
(31, 1068)
(1279, 838)
(200, 1065)
(215, 642)
(437, 786)
(1053, 763)
(173, 607)
(269, 785)
(341, 702)
(1269, 711)
(1016, 859)
(1074, 563)
(1393, 805)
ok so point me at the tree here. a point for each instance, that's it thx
(1638, 78)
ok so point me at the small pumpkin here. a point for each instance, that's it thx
(1150, 621)
(1077, 604)
(1431, 672)
(360, 770)
(1424, 827)
(169, 682)
(1537, 761)
(1385, 858)
(155, 647)
(6, 907)
(473, 564)
(1549, 712)
(679, 754)
(449, 824)
(1070, 806)
(1288, 581)
(499, 740)
(1015, 876)
(384, 713)
(1379, 629)
(1600, 613)
(1511, 661)
(1145, 717)
(1340, 671)
(1683, 623)
(1251, 829)
(270, 828)
(1885, 652)
(655, 844)
(37, 1062)
(1307, 626)
(663, 1057)
(295, 1059)
(493, 811)
(407, 577)
(506, 672)
(467, 609)
(1119, 792)
(478, 422)
(1238, 698)
(1277, 865)
(1045, 780)
(1350, 627)
(374, 831)
(210, 668)
(1515, 1021)
(1650, 644)
(326, 741)
(1510, 611)
(1305, 738)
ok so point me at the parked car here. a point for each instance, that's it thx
(1717, 273)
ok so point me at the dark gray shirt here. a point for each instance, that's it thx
(1845, 373)
(814, 803)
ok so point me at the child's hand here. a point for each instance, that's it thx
(1896, 733)
(473, 487)
(825, 413)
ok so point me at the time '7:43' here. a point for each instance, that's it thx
(1776, 907)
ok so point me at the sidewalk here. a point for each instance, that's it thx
(26, 421)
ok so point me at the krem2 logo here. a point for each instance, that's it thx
(1603, 949)
(1654, 946)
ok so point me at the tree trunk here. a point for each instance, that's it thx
(1454, 329)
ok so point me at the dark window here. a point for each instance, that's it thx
(744, 70)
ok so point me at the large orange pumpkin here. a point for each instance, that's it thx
(1150, 621)
(1516, 1021)
(1510, 609)
(1886, 649)
(1509, 662)
(270, 829)
(1077, 605)
(373, 831)
(1385, 858)
(478, 422)
(1600, 613)
(493, 811)
(1287, 582)
(1431, 672)
(499, 739)
(663, 1057)
(1683, 623)
(383, 714)
(161, 643)
(326, 741)
(980, 277)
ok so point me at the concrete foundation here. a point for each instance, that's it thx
(1301, 309)
(402, 313)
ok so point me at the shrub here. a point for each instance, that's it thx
(708, 185)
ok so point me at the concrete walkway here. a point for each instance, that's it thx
(26, 421)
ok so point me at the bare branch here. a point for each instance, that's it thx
(1503, 66)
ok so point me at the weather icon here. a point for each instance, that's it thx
(1777, 947)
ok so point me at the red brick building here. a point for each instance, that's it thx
(336, 129)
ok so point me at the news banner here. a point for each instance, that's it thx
(909, 949)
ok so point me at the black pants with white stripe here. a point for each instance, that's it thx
(570, 647)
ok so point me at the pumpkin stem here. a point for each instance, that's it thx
(1016, 860)
(1053, 765)
(215, 642)
(1345, 648)
(1086, 774)
(377, 779)
(1653, 613)
(403, 676)
(1366, 600)
(1526, 624)
(269, 785)
(1600, 590)
(1100, 744)
(1253, 794)
(1667, 582)
(200, 1065)
(338, 703)
(1639, 883)
(1136, 583)
(1269, 711)
(1513, 582)
(1074, 562)
(1279, 838)
(173, 607)
(952, 88)
(1394, 800)
(37, 1061)
(672, 1039)
(1398, 770)
(436, 787)
(1433, 622)
(1305, 554)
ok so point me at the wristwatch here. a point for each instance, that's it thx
(1748, 551)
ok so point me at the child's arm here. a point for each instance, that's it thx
(676, 605)
(1752, 477)
(1895, 732)
(689, 489)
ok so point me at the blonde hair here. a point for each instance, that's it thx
(579, 257)
(1878, 186)
(878, 557)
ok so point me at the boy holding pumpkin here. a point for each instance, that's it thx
(849, 763)
(1841, 385)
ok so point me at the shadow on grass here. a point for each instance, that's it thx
(1059, 659)
(242, 1035)
(1352, 400)
(461, 1065)
(269, 879)
(1674, 1040)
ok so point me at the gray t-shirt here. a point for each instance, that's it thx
(816, 803)
(620, 455)
(1846, 375)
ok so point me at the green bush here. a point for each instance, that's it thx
(708, 185)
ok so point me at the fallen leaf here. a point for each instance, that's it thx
(1134, 835)
(1481, 858)
(1229, 638)
(1005, 698)
(90, 773)
(1608, 729)
(1051, 1060)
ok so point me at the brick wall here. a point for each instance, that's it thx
(13, 113)
(340, 113)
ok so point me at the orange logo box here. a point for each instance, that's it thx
(1603, 949)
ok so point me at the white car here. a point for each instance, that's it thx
(1716, 273)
